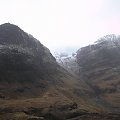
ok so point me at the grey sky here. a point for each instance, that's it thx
(63, 23)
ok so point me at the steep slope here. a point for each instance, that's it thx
(99, 67)
(23, 59)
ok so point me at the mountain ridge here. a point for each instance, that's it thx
(34, 86)
(99, 67)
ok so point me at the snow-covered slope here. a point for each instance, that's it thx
(68, 62)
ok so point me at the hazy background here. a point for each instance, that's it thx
(63, 24)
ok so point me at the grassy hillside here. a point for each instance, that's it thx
(99, 67)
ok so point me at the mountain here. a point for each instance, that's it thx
(99, 67)
(23, 59)
(33, 85)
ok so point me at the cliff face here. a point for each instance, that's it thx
(99, 66)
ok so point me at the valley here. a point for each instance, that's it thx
(36, 86)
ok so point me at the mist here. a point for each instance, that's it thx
(63, 24)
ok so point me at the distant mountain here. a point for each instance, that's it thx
(65, 49)
(99, 67)
(68, 62)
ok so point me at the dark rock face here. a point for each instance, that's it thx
(23, 55)
(99, 66)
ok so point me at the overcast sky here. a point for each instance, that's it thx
(63, 23)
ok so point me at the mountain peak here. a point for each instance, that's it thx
(7, 26)
(16, 45)
(11, 34)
